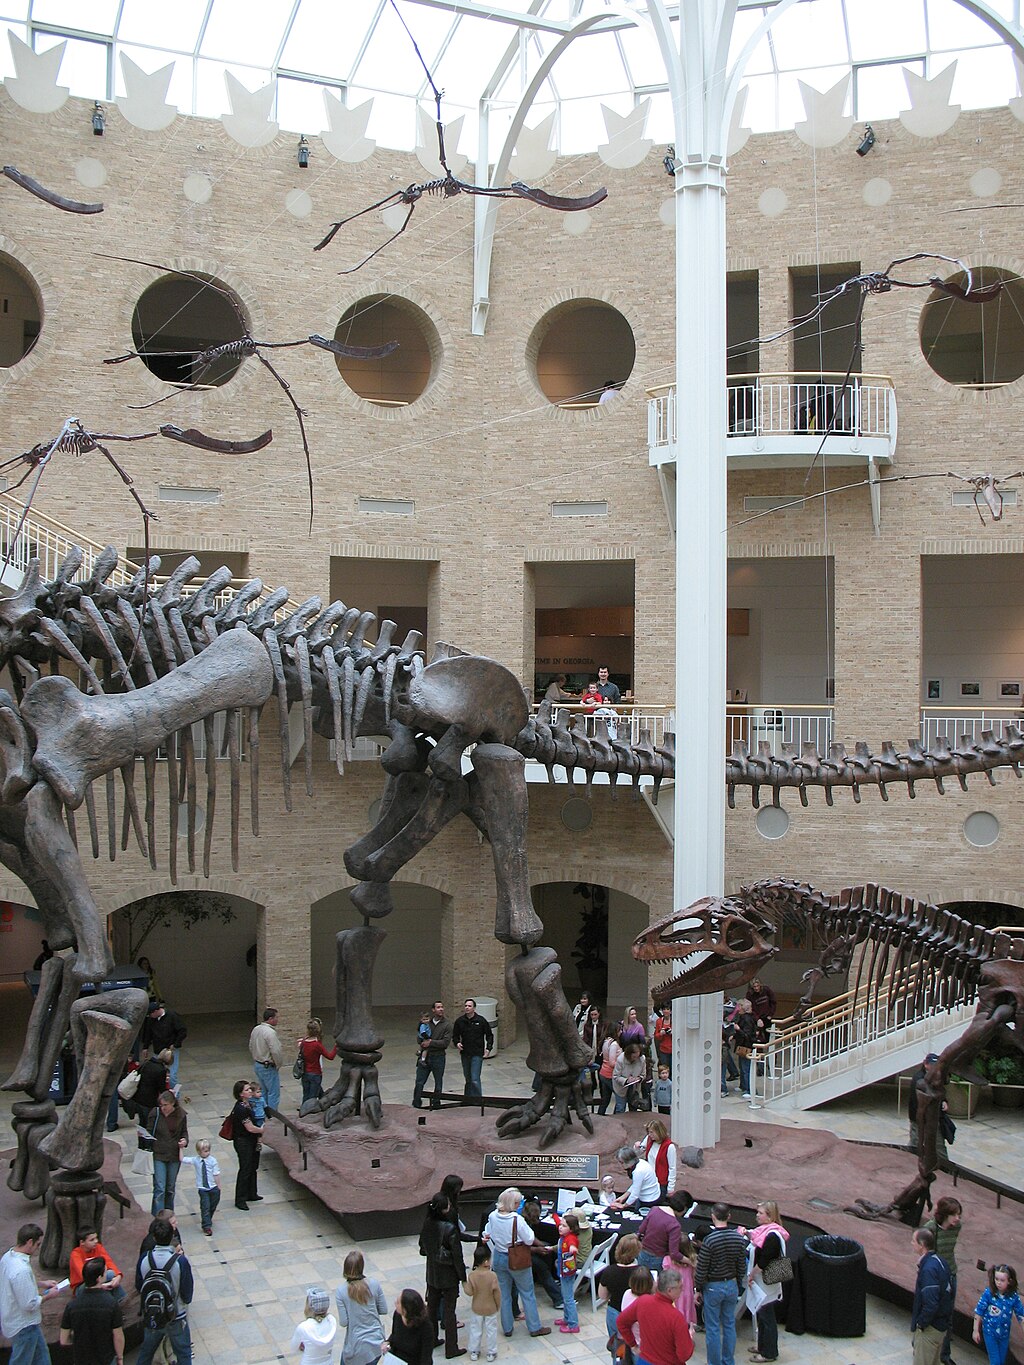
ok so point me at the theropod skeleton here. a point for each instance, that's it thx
(145, 666)
(905, 948)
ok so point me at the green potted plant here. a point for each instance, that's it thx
(1004, 1072)
(961, 1097)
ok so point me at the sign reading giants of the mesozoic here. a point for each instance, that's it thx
(528, 1167)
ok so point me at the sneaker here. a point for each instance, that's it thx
(568, 1329)
(492, 1355)
(207, 1232)
(747, 1095)
(541, 1332)
(474, 1355)
(558, 1322)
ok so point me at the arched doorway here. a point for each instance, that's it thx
(592, 927)
(408, 969)
(199, 943)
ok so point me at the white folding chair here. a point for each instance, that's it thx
(592, 1266)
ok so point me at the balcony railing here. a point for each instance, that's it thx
(951, 723)
(776, 724)
(772, 406)
(624, 722)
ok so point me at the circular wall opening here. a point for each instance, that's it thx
(21, 312)
(981, 829)
(976, 345)
(577, 814)
(772, 822)
(576, 348)
(178, 318)
(398, 379)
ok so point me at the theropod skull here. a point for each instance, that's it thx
(715, 944)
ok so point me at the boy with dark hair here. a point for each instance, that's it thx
(92, 1323)
(165, 1258)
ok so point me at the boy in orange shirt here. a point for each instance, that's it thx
(89, 1245)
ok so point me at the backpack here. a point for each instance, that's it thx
(158, 1302)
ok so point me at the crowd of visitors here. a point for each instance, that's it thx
(659, 1288)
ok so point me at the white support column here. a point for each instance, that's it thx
(701, 556)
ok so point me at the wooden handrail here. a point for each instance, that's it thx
(836, 1006)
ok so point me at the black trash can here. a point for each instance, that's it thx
(834, 1283)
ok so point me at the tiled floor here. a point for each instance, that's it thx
(252, 1274)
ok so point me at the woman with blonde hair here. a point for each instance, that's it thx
(312, 1051)
(767, 1243)
(505, 1226)
(657, 1148)
(314, 1336)
(361, 1305)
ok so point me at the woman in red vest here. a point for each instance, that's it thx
(660, 1151)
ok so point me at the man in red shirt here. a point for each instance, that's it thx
(663, 1331)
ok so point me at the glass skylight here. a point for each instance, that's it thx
(359, 48)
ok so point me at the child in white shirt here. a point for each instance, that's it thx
(207, 1172)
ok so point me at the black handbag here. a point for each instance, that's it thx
(779, 1271)
(947, 1128)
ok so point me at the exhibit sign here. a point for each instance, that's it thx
(562, 1168)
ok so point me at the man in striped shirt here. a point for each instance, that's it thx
(719, 1280)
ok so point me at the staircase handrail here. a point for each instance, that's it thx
(62, 540)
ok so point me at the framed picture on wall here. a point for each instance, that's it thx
(970, 689)
(1010, 689)
(933, 689)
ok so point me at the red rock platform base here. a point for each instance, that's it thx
(378, 1183)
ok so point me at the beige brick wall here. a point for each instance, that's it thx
(483, 455)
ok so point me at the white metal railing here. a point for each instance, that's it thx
(833, 1040)
(220, 745)
(48, 541)
(661, 420)
(624, 722)
(790, 404)
(952, 723)
(776, 724)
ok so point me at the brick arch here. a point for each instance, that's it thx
(161, 885)
(1003, 895)
(340, 881)
(577, 872)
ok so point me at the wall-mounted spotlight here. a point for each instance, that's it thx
(669, 160)
(303, 153)
(98, 119)
(867, 141)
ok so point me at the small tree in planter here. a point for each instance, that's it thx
(1004, 1071)
(591, 948)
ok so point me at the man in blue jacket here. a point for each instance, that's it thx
(933, 1300)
